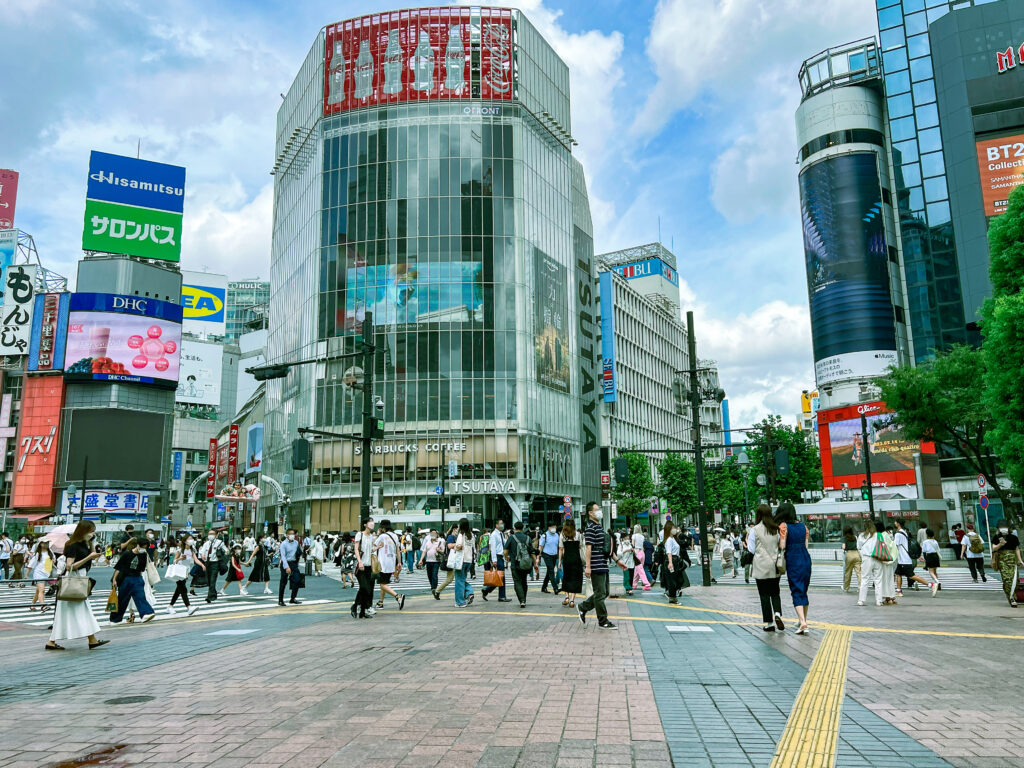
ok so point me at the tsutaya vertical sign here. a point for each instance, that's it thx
(233, 453)
(418, 54)
(134, 207)
(587, 333)
(211, 468)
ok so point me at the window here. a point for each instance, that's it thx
(932, 164)
(900, 315)
(897, 82)
(890, 17)
(900, 106)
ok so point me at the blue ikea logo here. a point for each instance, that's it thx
(203, 303)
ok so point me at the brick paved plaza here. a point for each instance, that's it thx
(931, 682)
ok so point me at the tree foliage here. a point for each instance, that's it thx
(723, 488)
(1003, 329)
(634, 495)
(944, 401)
(804, 466)
(678, 485)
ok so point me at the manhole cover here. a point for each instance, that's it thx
(129, 700)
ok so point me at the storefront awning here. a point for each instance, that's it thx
(31, 517)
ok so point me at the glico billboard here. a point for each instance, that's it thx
(841, 437)
(413, 55)
(852, 318)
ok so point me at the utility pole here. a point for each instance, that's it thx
(444, 489)
(368, 361)
(866, 445)
(695, 401)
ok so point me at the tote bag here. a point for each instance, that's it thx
(176, 572)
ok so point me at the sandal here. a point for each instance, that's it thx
(97, 644)
(566, 601)
(54, 647)
(572, 603)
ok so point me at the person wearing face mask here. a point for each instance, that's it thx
(210, 553)
(362, 606)
(260, 559)
(548, 546)
(497, 545)
(386, 547)
(316, 554)
(428, 557)
(18, 558)
(599, 552)
(73, 618)
(1005, 559)
(6, 548)
(291, 549)
(182, 554)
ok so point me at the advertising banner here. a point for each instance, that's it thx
(119, 444)
(609, 385)
(232, 454)
(18, 307)
(203, 300)
(852, 317)
(200, 373)
(648, 268)
(8, 250)
(1001, 165)
(35, 470)
(211, 468)
(49, 332)
(123, 338)
(8, 197)
(413, 55)
(177, 464)
(254, 448)
(551, 319)
(843, 444)
(133, 207)
(104, 502)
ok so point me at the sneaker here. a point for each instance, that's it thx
(606, 625)
(878, 603)
(148, 617)
(583, 615)
(778, 622)
(267, 591)
(401, 602)
(522, 605)
(768, 628)
(243, 591)
(434, 593)
(899, 593)
(934, 587)
(371, 612)
(223, 592)
(860, 602)
(193, 609)
(170, 610)
(504, 599)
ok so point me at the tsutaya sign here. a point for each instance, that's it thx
(483, 486)
(1010, 58)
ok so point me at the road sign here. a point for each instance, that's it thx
(567, 499)
(983, 502)
(561, 507)
(606, 478)
(981, 481)
(438, 490)
(983, 491)
(568, 515)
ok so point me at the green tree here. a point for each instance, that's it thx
(634, 495)
(944, 401)
(678, 485)
(1003, 328)
(804, 466)
(723, 488)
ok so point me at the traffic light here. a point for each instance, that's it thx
(266, 372)
(427, 511)
(621, 470)
(373, 427)
(300, 454)
(781, 462)
(865, 491)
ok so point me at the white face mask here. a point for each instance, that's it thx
(551, 530)
(1004, 530)
(211, 537)
(190, 542)
(291, 537)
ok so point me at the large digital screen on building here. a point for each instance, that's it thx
(843, 446)
(121, 445)
(1001, 165)
(426, 53)
(123, 339)
(551, 321)
(428, 292)
(852, 320)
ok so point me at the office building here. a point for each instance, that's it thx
(247, 303)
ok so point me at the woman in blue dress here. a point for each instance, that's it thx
(793, 537)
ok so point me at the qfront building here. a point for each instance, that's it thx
(424, 176)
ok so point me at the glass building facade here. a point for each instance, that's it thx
(935, 310)
(246, 304)
(459, 221)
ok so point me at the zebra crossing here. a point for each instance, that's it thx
(14, 605)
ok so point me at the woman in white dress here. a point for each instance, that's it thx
(73, 618)
(40, 566)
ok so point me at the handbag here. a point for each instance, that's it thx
(112, 599)
(374, 565)
(302, 580)
(780, 563)
(151, 573)
(455, 560)
(882, 551)
(493, 577)
(74, 588)
(176, 572)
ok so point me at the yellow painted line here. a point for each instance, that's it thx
(812, 731)
(663, 604)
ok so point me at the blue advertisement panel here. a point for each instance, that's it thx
(131, 181)
(8, 247)
(49, 332)
(179, 460)
(852, 316)
(204, 303)
(609, 384)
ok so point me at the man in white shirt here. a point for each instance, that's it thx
(975, 560)
(210, 553)
(497, 545)
(904, 562)
(248, 544)
(6, 547)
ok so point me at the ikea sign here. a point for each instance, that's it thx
(204, 303)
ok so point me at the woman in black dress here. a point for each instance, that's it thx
(571, 562)
(261, 566)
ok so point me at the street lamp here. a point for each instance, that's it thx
(72, 490)
(744, 461)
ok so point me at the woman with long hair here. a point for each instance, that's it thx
(362, 606)
(793, 538)
(446, 548)
(387, 547)
(670, 577)
(639, 573)
(570, 560)
(73, 618)
(183, 554)
(260, 559)
(40, 566)
(763, 541)
(871, 564)
(346, 559)
(465, 544)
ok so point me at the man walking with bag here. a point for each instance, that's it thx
(290, 551)
(523, 557)
(497, 545)
(549, 551)
(210, 553)
(595, 567)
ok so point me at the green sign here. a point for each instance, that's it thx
(127, 229)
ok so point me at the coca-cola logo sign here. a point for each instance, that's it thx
(418, 54)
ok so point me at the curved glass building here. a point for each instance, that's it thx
(424, 174)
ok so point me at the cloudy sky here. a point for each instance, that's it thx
(683, 110)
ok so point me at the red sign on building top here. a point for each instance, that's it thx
(38, 450)
(8, 197)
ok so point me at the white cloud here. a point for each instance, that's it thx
(229, 233)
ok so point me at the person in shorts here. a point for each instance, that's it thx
(387, 547)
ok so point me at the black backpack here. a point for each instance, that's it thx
(913, 547)
(523, 560)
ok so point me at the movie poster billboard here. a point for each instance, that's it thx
(852, 317)
(551, 320)
(254, 448)
(1001, 166)
(412, 55)
(843, 445)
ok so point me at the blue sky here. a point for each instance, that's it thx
(683, 110)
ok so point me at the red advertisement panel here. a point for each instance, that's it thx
(417, 54)
(37, 453)
(211, 467)
(8, 197)
(840, 434)
(233, 454)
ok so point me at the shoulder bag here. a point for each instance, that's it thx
(780, 563)
(882, 551)
(151, 573)
(74, 588)
(456, 558)
(176, 572)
